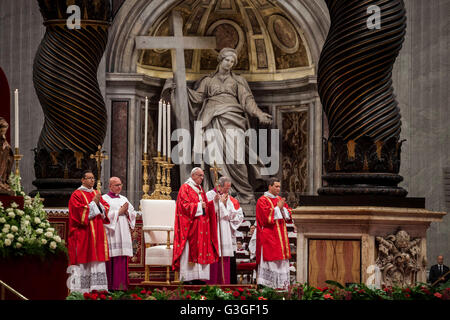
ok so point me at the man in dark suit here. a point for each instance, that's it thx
(438, 271)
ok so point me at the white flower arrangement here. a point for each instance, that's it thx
(27, 231)
(16, 186)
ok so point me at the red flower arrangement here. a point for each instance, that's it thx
(294, 292)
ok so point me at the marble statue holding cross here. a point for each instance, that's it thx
(221, 101)
(177, 43)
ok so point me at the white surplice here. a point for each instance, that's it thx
(230, 220)
(86, 277)
(118, 230)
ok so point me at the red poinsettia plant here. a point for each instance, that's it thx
(334, 291)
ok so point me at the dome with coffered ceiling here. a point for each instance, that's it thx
(270, 46)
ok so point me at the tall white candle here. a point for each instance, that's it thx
(159, 124)
(146, 125)
(164, 128)
(16, 118)
(168, 131)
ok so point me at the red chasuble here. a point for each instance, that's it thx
(201, 231)
(271, 234)
(87, 240)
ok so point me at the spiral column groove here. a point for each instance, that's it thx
(65, 79)
(362, 152)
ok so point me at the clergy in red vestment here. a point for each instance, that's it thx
(87, 242)
(195, 244)
(272, 243)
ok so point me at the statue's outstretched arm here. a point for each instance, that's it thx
(248, 102)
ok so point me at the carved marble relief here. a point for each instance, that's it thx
(399, 259)
(294, 159)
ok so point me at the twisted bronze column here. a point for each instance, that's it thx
(362, 152)
(65, 80)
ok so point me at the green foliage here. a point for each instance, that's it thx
(75, 296)
(334, 283)
(296, 291)
(443, 286)
(16, 186)
(270, 294)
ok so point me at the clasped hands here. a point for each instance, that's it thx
(97, 198)
(280, 205)
(222, 197)
(123, 209)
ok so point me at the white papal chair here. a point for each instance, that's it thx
(158, 223)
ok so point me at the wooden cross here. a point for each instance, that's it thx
(99, 157)
(177, 44)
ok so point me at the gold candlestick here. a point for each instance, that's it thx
(157, 195)
(17, 158)
(145, 186)
(169, 165)
(163, 178)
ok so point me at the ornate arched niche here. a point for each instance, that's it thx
(278, 44)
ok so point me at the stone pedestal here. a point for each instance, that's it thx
(364, 223)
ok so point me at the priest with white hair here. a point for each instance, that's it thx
(195, 233)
